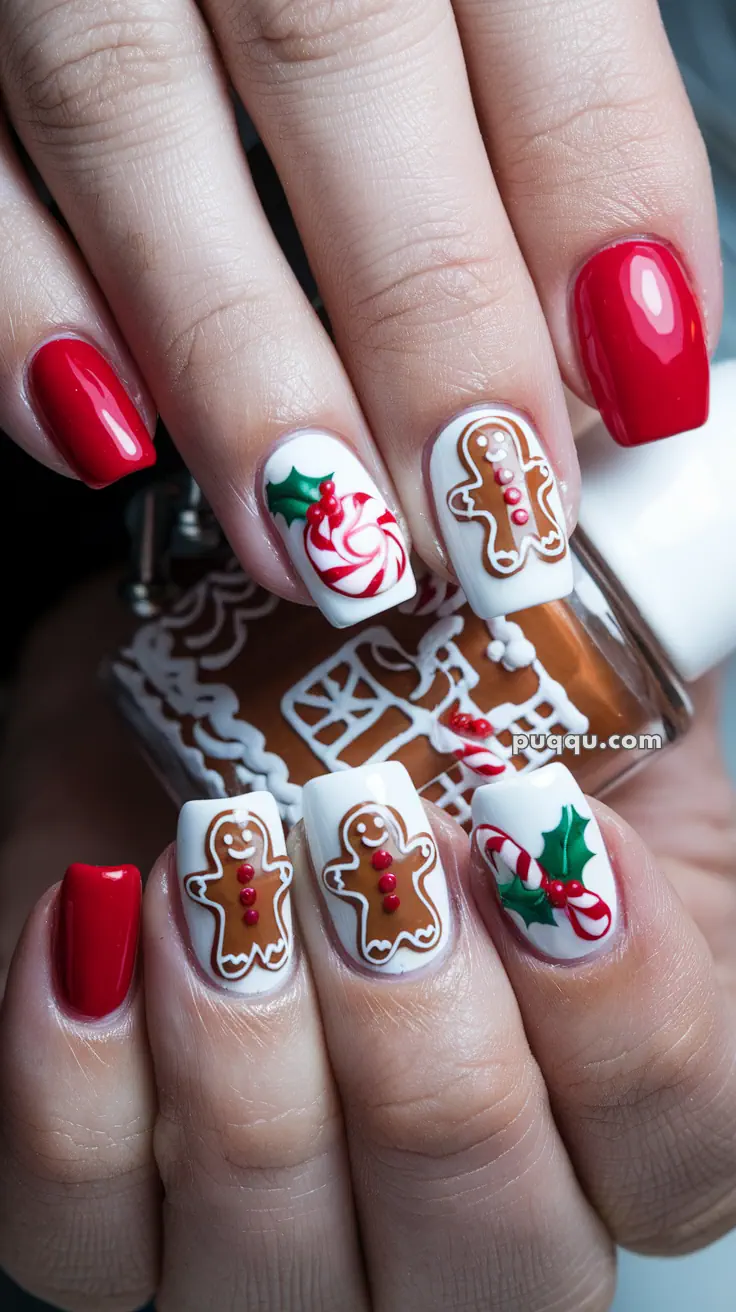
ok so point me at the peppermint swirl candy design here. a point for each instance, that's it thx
(363, 554)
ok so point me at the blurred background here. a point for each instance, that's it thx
(54, 533)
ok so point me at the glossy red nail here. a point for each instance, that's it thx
(87, 412)
(641, 341)
(99, 916)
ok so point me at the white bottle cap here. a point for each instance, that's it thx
(663, 517)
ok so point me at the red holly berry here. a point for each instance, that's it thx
(248, 896)
(245, 873)
(330, 505)
(315, 514)
(574, 888)
(557, 893)
(387, 882)
(251, 917)
(482, 728)
(391, 902)
(327, 489)
(461, 721)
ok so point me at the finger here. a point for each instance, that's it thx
(605, 178)
(466, 1198)
(130, 122)
(80, 1196)
(69, 391)
(432, 307)
(623, 1009)
(249, 1138)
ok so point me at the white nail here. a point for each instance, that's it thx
(539, 839)
(234, 878)
(354, 561)
(500, 512)
(378, 867)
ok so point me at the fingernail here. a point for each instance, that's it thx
(499, 511)
(99, 919)
(539, 840)
(642, 342)
(341, 536)
(378, 867)
(234, 878)
(87, 412)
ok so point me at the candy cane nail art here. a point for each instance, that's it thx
(539, 839)
(234, 877)
(378, 867)
(499, 510)
(338, 530)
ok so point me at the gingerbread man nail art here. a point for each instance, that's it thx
(383, 873)
(236, 899)
(378, 866)
(500, 511)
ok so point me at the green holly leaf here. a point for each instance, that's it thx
(530, 903)
(293, 496)
(565, 852)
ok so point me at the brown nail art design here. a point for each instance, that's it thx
(236, 900)
(378, 866)
(500, 512)
(383, 873)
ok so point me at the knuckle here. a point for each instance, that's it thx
(76, 69)
(66, 1153)
(294, 32)
(454, 1112)
(440, 285)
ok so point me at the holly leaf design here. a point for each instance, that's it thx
(293, 496)
(530, 903)
(565, 851)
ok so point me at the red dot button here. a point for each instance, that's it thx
(251, 917)
(391, 902)
(248, 896)
(381, 860)
(387, 882)
(245, 873)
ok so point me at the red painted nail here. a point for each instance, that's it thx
(641, 341)
(99, 915)
(87, 413)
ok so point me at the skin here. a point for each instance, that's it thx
(449, 167)
(480, 1135)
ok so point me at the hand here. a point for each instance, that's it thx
(458, 175)
(476, 1135)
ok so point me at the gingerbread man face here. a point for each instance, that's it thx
(244, 887)
(509, 491)
(382, 872)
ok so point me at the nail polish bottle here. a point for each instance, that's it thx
(235, 690)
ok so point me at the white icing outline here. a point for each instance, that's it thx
(508, 563)
(439, 657)
(196, 888)
(422, 940)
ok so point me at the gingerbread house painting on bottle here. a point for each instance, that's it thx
(235, 690)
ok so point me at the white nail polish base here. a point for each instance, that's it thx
(467, 539)
(250, 826)
(525, 808)
(353, 558)
(335, 808)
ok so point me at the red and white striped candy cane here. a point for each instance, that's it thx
(480, 759)
(588, 914)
